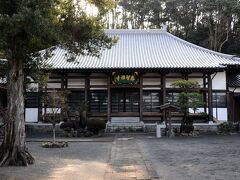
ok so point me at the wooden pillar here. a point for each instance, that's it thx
(163, 84)
(66, 81)
(40, 94)
(62, 81)
(229, 113)
(204, 93)
(109, 97)
(86, 93)
(141, 97)
(185, 76)
(210, 110)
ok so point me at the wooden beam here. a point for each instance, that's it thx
(125, 86)
(98, 86)
(152, 86)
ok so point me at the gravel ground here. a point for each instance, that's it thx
(186, 158)
(209, 157)
(80, 161)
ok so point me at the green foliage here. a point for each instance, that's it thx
(190, 96)
(27, 27)
(96, 125)
(103, 5)
(185, 84)
(56, 103)
(226, 127)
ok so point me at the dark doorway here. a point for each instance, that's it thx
(234, 107)
(125, 100)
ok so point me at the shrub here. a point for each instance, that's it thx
(202, 117)
(96, 125)
(226, 127)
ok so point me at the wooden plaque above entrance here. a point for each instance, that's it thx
(125, 78)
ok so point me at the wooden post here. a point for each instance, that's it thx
(62, 81)
(170, 123)
(210, 110)
(66, 81)
(163, 83)
(109, 97)
(87, 85)
(229, 116)
(204, 93)
(141, 98)
(40, 92)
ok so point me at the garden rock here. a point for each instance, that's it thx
(55, 145)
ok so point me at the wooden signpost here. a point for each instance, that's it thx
(167, 109)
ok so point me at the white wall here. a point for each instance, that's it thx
(152, 81)
(219, 81)
(98, 81)
(76, 83)
(219, 113)
(199, 80)
(31, 114)
(54, 85)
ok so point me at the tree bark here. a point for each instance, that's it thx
(54, 134)
(13, 150)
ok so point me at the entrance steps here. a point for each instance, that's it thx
(125, 124)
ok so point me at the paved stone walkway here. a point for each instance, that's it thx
(127, 161)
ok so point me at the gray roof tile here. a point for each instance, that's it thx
(146, 49)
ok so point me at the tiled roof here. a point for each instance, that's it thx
(146, 49)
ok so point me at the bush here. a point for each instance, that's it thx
(55, 145)
(201, 118)
(227, 127)
(96, 125)
(186, 128)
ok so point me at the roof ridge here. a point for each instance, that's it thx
(135, 31)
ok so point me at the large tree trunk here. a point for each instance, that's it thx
(13, 150)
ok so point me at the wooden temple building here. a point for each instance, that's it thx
(133, 78)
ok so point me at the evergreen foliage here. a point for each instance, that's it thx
(189, 97)
(29, 32)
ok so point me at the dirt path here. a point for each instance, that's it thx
(127, 161)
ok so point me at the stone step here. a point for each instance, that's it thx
(125, 124)
(125, 119)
